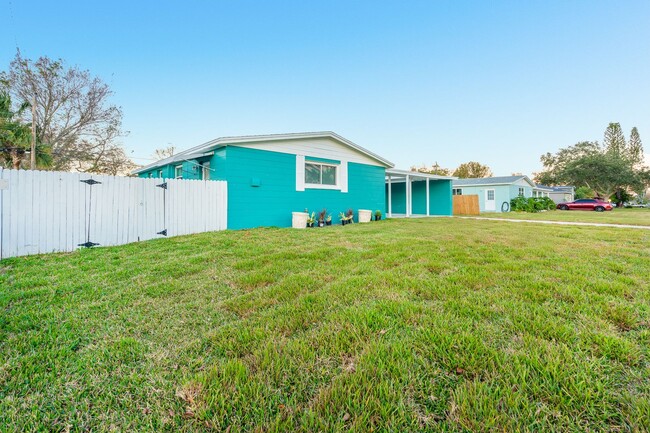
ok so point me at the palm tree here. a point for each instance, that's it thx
(16, 137)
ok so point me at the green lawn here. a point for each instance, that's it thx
(637, 217)
(401, 325)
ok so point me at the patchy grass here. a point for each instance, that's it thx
(421, 325)
(637, 217)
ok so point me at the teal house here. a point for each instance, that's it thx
(495, 193)
(270, 176)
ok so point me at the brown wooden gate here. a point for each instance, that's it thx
(466, 205)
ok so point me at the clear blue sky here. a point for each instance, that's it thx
(500, 82)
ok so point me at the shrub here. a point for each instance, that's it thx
(531, 204)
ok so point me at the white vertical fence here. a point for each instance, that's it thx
(45, 211)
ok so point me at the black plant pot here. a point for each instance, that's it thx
(343, 222)
(321, 223)
(377, 218)
(328, 223)
(310, 225)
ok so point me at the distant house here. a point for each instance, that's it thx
(270, 176)
(495, 193)
(561, 194)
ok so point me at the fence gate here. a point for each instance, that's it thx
(466, 205)
(45, 211)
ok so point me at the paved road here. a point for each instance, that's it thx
(562, 223)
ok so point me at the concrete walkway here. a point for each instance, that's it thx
(562, 223)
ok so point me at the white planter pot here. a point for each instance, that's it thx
(364, 215)
(299, 220)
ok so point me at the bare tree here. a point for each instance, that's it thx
(73, 114)
(164, 152)
(435, 168)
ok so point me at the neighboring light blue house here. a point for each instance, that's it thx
(495, 193)
(271, 176)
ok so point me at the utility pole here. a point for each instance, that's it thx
(32, 154)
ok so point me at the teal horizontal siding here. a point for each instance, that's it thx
(272, 202)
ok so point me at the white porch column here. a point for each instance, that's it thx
(390, 197)
(407, 190)
(427, 196)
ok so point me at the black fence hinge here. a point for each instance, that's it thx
(88, 244)
(162, 185)
(164, 232)
(90, 181)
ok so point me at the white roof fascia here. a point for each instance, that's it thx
(398, 172)
(469, 185)
(224, 141)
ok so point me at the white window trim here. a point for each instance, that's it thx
(322, 185)
(341, 175)
(176, 170)
(460, 191)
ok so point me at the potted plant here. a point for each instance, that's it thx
(350, 216)
(377, 215)
(343, 218)
(321, 218)
(311, 219)
(328, 220)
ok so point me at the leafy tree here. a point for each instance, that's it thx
(583, 192)
(73, 114)
(16, 136)
(635, 147)
(614, 140)
(472, 169)
(434, 169)
(610, 169)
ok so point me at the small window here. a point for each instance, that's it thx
(521, 191)
(490, 194)
(320, 174)
(178, 172)
(150, 174)
(160, 173)
(456, 191)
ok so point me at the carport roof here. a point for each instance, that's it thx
(397, 174)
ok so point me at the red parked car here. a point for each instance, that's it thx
(586, 204)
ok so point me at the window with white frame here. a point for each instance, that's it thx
(490, 194)
(160, 173)
(456, 191)
(317, 173)
(178, 171)
(521, 191)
